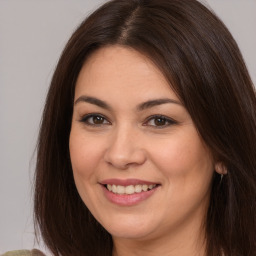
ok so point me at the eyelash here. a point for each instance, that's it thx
(85, 119)
(167, 121)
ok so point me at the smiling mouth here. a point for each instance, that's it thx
(130, 189)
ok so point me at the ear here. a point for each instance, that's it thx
(220, 168)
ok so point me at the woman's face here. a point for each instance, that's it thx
(131, 135)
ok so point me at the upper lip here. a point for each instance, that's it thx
(126, 182)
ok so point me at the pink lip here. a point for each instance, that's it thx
(126, 182)
(127, 200)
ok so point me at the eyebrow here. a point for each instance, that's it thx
(156, 102)
(94, 101)
(140, 107)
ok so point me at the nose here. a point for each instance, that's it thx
(125, 149)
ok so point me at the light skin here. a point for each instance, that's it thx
(129, 124)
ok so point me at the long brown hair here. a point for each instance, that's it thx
(202, 62)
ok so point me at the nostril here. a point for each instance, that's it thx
(123, 159)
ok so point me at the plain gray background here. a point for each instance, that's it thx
(32, 36)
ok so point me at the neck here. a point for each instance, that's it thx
(185, 243)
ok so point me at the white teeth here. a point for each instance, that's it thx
(109, 187)
(114, 189)
(138, 188)
(144, 187)
(120, 190)
(129, 190)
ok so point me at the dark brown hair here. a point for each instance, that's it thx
(202, 62)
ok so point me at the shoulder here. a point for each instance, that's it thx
(34, 252)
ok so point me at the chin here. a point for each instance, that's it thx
(129, 234)
(137, 229)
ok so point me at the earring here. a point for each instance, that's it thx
(221, 169)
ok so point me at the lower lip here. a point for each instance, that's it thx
(128, 200)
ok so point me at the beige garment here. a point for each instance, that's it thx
(34, 252)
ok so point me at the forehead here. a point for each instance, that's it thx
(121, 69)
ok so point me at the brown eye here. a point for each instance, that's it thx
(94, 119)
(97, 119)
(159, 121)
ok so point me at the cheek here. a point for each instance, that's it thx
(185, 162)
(183, 153)
(85, 158)
(84, 153)
(187, 168)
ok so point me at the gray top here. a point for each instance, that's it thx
(34, 252)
